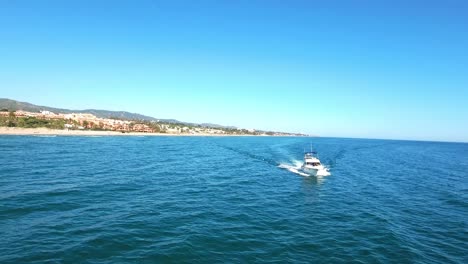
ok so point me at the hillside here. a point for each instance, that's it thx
(13, 105)
(167, 124)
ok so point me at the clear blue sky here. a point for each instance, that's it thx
(377, 69)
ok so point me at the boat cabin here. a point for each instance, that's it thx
(311, 159)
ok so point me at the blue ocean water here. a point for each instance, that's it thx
(226, 199)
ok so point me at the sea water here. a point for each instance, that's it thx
(231, 199)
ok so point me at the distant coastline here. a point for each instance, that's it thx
(20, 118)
(19, 131)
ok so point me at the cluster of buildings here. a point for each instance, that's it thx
(174, 129)
(82, 121)
(88, 121)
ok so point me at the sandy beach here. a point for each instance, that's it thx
(63, 132)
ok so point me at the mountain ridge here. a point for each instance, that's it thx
(14, 105)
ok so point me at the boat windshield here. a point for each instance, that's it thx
(313, 163)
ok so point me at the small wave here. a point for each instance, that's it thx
(250, 155)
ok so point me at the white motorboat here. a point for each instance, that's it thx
(312, 164)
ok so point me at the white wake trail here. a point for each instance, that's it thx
(293, 169)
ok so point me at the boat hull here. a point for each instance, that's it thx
(310, 171)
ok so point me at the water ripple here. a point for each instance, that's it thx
(224, 199)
